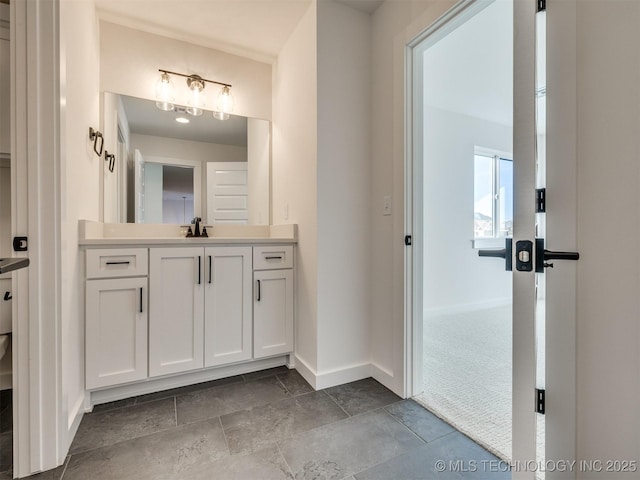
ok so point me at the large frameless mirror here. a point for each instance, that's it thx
(171, 166)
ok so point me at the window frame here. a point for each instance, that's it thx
(495, 241)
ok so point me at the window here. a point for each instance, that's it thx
(492, 195)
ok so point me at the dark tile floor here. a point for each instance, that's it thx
(270, 425)
(6, 432)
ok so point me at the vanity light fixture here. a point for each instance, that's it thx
(165, 96)
(196, 101)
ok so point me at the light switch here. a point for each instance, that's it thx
(285, 211)
(386, 208)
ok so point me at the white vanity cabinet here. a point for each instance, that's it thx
(176, 306)
(116, 317)
(227, 305)
(273, 301)
(163, 311)
(200, 304)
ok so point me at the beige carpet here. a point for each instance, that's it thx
(467, 376)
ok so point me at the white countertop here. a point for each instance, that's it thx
(96, 234)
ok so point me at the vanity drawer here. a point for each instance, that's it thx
(272, 257)
(117, 262)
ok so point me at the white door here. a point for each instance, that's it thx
(228, 306)
(138, 186)
(176, 306)
(272, 312)
(116, 336)
(227, 193)
(527, 348)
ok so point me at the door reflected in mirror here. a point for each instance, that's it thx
(172, 167)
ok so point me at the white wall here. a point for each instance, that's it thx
(343, 177)
(259, 171)
(152, 146)
(454, 275)
(130, 60)
(294, 169)
(390, 31)
(608, 336)
(79, 184)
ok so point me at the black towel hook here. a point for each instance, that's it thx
(111, 158)
(95, 135)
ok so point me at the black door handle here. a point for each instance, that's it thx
(502, 253)
(542, 255)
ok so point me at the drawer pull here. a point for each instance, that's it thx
(273, 258)
(125, 262)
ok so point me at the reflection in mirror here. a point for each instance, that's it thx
(172, 166)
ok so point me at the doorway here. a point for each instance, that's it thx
(478, 337)
(467, 175)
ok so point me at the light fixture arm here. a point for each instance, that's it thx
(192, 76)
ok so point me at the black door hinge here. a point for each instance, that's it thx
(20, 244)
(542, 5)
(541, 200)
(407, 239)
(540, 401)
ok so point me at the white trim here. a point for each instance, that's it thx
(306, 371)
(39, 432)
(413, 186)
(340, 376)
(384, 376)
(164, 383)
(197, 177)
(561, 325)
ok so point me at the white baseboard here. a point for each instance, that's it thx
(306, 371)
(385, 377)
(75, 417)
(467, 307)
(340, 376)
(165, 383)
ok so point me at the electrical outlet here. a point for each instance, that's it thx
(285, 211)
(386, 208)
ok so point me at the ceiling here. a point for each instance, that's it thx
(256, 29)
(470, 70)
(145, 118)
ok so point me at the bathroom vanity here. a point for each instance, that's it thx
(164, 311)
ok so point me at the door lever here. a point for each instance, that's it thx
(502, 253)
(542, 255)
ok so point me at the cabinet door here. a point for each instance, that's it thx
(176, 305)
(272, 313)
(227, 324)
(116, 336)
